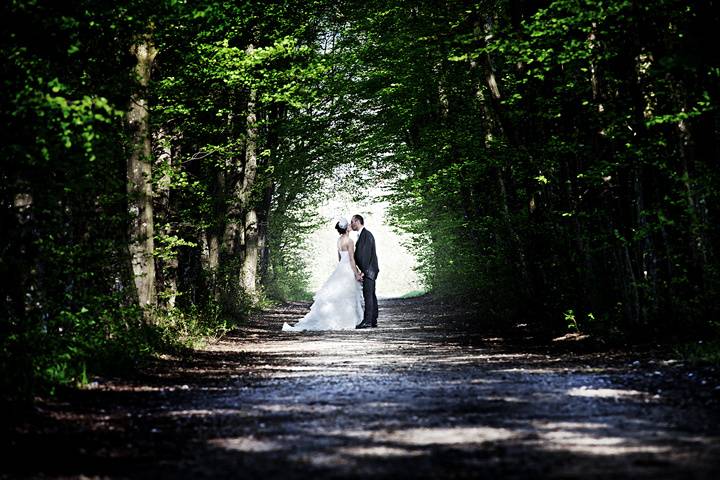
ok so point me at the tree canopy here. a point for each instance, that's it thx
(555, 160)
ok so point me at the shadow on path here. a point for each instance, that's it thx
(419, 396)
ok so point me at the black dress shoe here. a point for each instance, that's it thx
(374, 325)
(362, 325)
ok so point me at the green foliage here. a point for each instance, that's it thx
(180, 329)
(575, 325)
(549, 158)
(69, 81)
(552, 160)
(64, 312)
(700, 352)
(571, 321)
(414, 293)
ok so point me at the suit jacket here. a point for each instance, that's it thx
(365, 256)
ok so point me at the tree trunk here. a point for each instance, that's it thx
(240, 235)
(515, 241)
(167, 267)
(630, 287)
(696, 240)
(263, 229)
(210, 257)
(277, 114)
(20, 260)
(250, 259)
(139, 179)
(248, 275)
(231, 180)
(504, 129)
(642, 178)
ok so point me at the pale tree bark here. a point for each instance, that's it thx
(167, 268)
(211, 238)
(139, 184)
(263, 229)
(210, 259)
(210, 254)
(22, 259)
(248, 275)
(240, 236)
(232, 175)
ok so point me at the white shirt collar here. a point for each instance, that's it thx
(360, 230)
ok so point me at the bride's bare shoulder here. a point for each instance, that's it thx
(346, 243)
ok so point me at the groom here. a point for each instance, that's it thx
(366, 261)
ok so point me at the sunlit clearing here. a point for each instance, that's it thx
(397, 277)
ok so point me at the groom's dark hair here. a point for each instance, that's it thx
(359, 219)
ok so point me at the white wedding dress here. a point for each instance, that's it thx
(338, 304)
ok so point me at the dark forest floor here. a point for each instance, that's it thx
(418, 397)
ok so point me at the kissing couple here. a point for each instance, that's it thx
(347, 299)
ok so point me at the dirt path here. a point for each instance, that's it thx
(416, 397)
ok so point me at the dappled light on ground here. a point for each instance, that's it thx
(603, 393)
(421, 392)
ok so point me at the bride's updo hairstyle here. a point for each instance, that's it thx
(341, 226)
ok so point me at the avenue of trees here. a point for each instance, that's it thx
(556, 161)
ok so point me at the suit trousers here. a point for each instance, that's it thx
(371, 303)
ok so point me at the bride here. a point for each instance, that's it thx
(339, 303)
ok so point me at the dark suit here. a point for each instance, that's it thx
(366, 260)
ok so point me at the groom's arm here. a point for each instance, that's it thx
(359, 258)
(358, 275)
(367, 252)
(372, 256)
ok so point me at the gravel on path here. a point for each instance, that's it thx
(425, 395)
